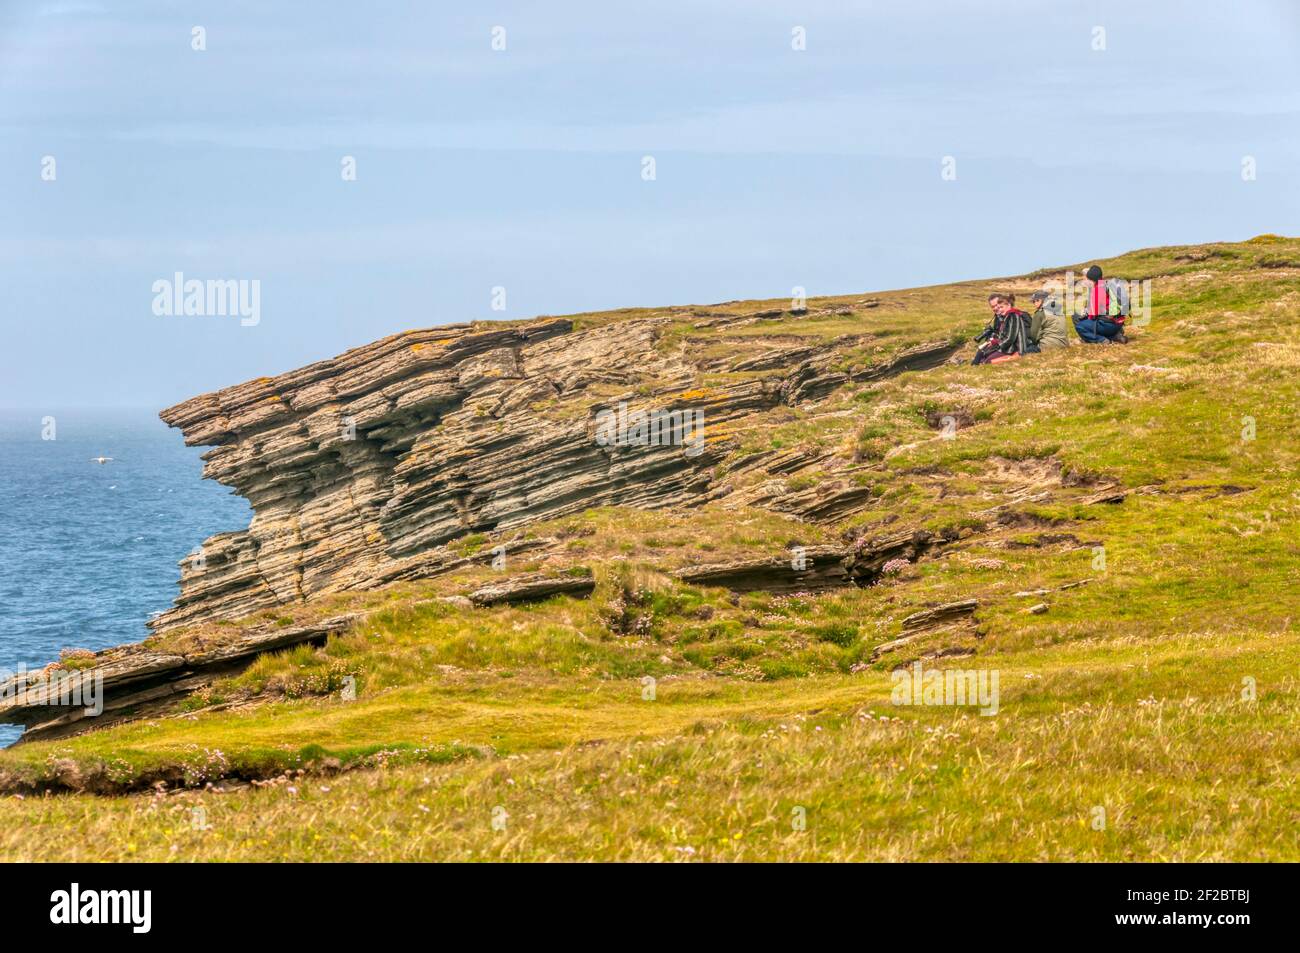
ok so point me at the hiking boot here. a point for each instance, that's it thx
(1121, 338)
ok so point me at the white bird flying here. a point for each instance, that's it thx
(100, 460)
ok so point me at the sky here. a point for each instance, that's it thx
(503, 146)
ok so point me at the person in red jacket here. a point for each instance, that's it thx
(1099, 323)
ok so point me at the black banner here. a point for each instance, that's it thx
(330, 902)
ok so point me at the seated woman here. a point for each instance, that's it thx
(1007, 336)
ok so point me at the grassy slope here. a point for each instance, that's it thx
(1126, 695)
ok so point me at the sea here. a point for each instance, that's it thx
(88, 550)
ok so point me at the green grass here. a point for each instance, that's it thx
(1154, 734)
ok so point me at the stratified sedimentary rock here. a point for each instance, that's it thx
(800, 570)
(807, 568)
(361, 469)
(532, 587)
(126, 681)
(940, 615)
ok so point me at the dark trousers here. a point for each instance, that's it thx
(1096, 330)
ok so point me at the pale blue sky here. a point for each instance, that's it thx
(522, 168)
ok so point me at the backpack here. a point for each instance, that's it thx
(1117, 292)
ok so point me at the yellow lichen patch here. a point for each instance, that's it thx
(425, 345)
(698, 393)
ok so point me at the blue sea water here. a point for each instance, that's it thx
(89, 551)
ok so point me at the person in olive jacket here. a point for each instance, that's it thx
(1047, 325)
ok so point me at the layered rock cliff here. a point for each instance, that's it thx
(360, 469)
